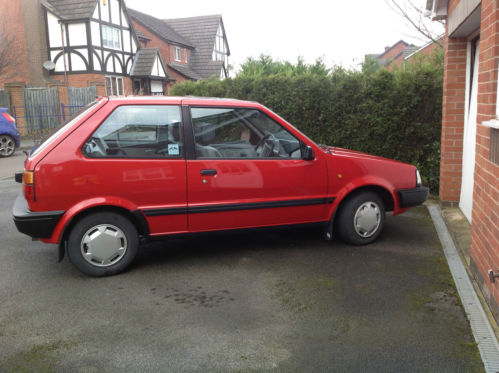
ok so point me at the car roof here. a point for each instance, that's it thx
(187, 100)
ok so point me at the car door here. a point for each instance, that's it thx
(247, 171)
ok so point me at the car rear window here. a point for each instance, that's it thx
(62, 128)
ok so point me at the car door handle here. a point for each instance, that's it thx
(208, 172)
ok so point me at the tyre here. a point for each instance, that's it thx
(7, 146)
(103, 244)
(361, 218)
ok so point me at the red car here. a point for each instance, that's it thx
(129, 169)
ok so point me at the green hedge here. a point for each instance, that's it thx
(394, 114)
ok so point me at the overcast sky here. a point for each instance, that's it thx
(340, 31)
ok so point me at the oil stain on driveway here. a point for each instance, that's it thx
(283, 301)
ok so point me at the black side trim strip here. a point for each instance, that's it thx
(257, 205)
(238, 206)
(166, 211)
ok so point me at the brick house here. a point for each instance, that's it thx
(193, 48)
(83, 42)
(64, 45)
(427, 49)
(469, 170)
(394, 55)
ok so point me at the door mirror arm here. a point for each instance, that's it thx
(307, 153)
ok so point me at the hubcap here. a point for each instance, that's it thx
(103, 245)
(367, 219)
(7, 145)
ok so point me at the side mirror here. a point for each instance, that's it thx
(307, 153)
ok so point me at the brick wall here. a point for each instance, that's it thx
(175, 75)
(392, 53)
(35, 40)
(431, 48)
(452, 119)
(485, 222)
(98, 80)
(12, 25)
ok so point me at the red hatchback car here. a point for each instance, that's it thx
(130, 169)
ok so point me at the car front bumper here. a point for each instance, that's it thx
(34, 224)
(412, 197)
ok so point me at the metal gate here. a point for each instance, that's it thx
(80, 97)
(41, 109)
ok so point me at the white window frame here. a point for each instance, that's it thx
(111, 37)
(186, 56)
(115, 85)
(177, 54)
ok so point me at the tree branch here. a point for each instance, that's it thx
(420, 26)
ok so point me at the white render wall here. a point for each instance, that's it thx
(77, 34)
(54, 31)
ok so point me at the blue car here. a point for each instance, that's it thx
(9, 135)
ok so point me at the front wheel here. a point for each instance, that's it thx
(7, 146)
(361, 218)
(103, 244)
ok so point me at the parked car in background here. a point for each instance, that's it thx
(130, 169)
(9, 135)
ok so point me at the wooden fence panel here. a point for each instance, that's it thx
(41, 109)
(79, 97)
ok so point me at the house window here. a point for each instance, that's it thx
(114, 86)
(157, 88)
(177, 56)
(111, 37)
(185, 56)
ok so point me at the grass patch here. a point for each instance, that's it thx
(469, 355)
(38, 359)
(303, 295)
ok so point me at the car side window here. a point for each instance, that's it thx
(138, 131)
(241, 133)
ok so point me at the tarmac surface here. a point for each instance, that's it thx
(9, 166)
(280, 301)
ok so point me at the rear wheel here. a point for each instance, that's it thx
(361, 218)
(103, 244)
(7, 146)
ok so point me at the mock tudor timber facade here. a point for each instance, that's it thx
(102, 43)
(84, 43)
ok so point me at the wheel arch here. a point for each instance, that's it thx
(136, 217)
(385, 195)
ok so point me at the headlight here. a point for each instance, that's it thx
(418, 178)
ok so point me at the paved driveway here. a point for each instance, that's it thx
(8, 166)
(277, 302)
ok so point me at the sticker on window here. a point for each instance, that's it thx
(173, 149)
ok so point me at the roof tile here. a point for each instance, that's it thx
(72, 9)
(159, 27)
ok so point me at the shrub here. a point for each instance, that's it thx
(394, 114)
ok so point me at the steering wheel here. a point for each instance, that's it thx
(96, 147)
(267, 146)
